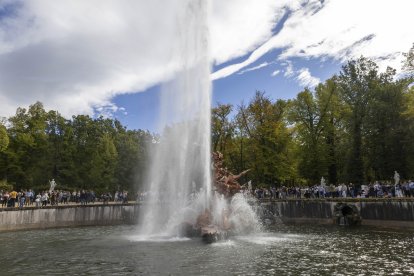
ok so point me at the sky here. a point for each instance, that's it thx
(111, 58)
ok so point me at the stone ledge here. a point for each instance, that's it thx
(341, 199)
(68, 216)
(63, 206)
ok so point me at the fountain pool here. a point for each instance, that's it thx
(282, 250)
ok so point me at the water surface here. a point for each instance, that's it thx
(283, 250)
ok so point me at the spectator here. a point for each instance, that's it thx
(22, 199)
(45, 198)
(12, 199)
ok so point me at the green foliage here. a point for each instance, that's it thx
(262, 142)
(408, 64)
(4, 138)
(4, 186)
(357, 83)
(309, 120)
(82, 153)
(221, 130)
(355, 127)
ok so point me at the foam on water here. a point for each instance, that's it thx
(141, 238)
(265, 239)
(243, 217)
(226, 243)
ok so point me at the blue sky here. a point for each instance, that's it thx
(142, 109)
(111, 58)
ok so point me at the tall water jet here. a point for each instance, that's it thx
(179, 179)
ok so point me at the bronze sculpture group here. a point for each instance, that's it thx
(226, 184)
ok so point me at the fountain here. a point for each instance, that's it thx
(346, 214)
(182, 199)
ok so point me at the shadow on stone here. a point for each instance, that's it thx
(346, 214)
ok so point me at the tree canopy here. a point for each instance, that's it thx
(357, 127)
(4, 138)
(83, 152)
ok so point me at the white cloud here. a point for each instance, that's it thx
(289, 69)
(240, 26)
(305, 78)
(76, 55)
(275, 73)
(342, 30)
(264, 64)
(108, 111)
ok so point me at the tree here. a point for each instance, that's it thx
(222, 129)
(387, 140)
(308, 118)
(132, 147)
(333, 111)
(26, 159)
(4, 138)
(357, 82)
(408, 115)
(268, 145)
(408, 63)
(61, 149)
(81, 153)
(317, 120)
(4, 143)
(105, 159)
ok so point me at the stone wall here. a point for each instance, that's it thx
(383, 213)
(67, 216)
(397, 213)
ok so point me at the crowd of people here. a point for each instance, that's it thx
(29, 198)
(373, 190)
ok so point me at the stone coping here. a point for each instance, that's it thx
(266, 200)
(339, 199)
(64, 206)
